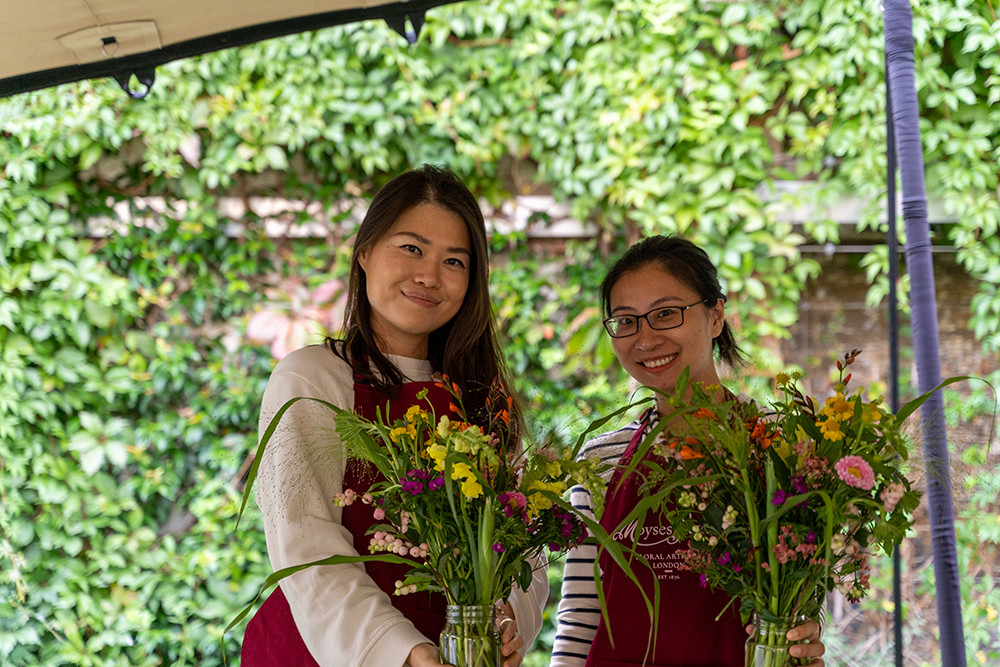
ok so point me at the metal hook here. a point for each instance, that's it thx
(146, 78)
(109, 42)
(407, 25)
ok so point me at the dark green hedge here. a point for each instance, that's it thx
(129, 389)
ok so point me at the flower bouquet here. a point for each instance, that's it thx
(781, 503)
(469, 513)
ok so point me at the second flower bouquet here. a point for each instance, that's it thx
(779, 504)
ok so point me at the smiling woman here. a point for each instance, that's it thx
(422, 277)
(676, 333)
(666, 316)
(418, 304)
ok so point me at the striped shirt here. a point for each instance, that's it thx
(579, 609)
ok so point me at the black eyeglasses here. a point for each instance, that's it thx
(670, 317)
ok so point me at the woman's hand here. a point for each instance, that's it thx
(812, 647)
(423, 655)
(512, 639)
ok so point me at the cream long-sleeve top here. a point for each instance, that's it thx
(345, 619)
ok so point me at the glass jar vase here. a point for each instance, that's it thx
(470, 637)
(768, 646)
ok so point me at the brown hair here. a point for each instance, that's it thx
(689, 264)
(466, 348)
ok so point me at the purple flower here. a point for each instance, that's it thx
(724, 558)
(498, 548)
(703, 580)
(436, 483)
(799, 484)
(413, 487)
(810, 537)
(554, 547)
(779, 497)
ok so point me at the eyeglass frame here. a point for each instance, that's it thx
(645, 316)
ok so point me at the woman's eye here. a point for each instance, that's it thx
(625, 321)
(454, 261)
(666, 314)
(410, 248)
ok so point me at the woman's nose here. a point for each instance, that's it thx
(428, 274)
(646, 337)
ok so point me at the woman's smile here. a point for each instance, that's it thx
(421, 298)
(654, 364)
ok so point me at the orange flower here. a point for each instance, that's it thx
(687, 453)
(704, 413)
(687, 447)
(454, 408)
(758, 433)
(505, 416)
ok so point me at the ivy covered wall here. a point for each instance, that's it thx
(130, 385)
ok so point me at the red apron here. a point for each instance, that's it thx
(271, 637)
(688, 633)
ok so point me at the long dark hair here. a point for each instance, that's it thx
(689, 264)
(466, 348)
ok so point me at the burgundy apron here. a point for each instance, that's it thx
(688, 633)
(271, 637)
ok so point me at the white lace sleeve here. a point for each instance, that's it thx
(342, 615)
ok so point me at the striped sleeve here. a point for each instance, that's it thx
(579, 609)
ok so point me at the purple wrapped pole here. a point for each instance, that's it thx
(899, 59)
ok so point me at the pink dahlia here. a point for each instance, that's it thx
(856, 472)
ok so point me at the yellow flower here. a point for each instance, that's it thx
(460, 470)
(838, 407)
(444, 425)
(538, 502)
(783, 448)
(437, 452)
(782, 379)
(870, 413)
(471, 488)
(415, 412)
(831, 429)
(396, 434)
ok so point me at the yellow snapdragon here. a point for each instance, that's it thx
(437, 452)
(471, 488)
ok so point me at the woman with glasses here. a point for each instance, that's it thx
(665, 313)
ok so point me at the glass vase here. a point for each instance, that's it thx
(470, 637)
(768, 646)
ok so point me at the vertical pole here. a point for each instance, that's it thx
(893, 241)
(899, 58)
